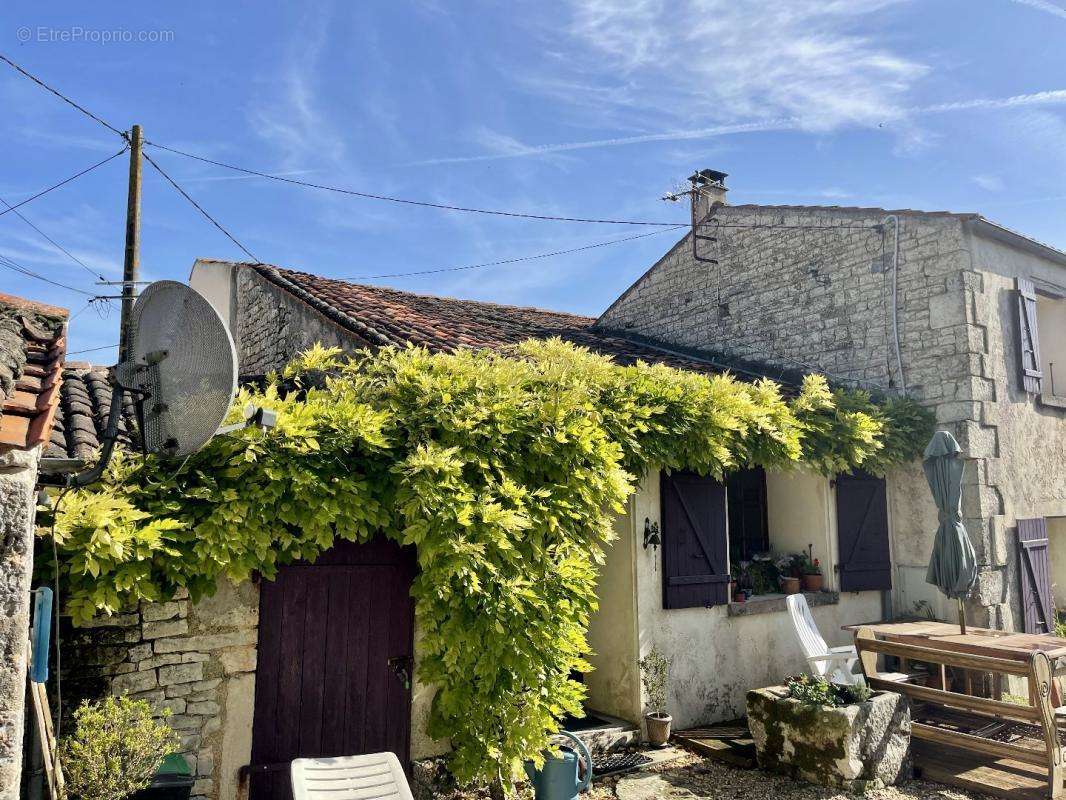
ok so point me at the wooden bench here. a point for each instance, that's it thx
(979, 743)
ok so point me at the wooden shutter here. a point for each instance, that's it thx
(1036, 576)
(862, 533)
(1028, 337)
(695, 547)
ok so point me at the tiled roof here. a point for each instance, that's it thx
(32, 346)
(85, 400)
(383, 316)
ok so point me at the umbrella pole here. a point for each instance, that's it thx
(962, 616)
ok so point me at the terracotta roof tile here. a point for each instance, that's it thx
(384, 316)
(81, 414)
(32, 345)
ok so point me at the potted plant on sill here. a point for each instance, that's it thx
(654, 672)
(789, 574)
(812, 576)
(809, 570)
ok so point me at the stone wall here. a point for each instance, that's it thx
(271, 326)
(810, 288)
(197, 659)
(18, 476)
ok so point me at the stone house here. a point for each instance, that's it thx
(32, 345)
(957, 311)
(759, 291)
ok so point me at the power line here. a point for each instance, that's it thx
(404, 201)
(8, 263)
(54, 243)
(61, 96)
(91, 349)
(63, 182)
(200, 208)
(522, 258)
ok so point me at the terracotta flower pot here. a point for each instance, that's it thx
(740, 597)
(813, 583)
(790, 585)
(658, 729)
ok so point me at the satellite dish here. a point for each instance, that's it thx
(181, 367)
(181, 370)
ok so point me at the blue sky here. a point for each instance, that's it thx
(580, 109)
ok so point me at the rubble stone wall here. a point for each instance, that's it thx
(197, 659)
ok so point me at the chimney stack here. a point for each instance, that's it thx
(708, 191)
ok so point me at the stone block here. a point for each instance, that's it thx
(856, 747)
(211, 641)
(157, 630)
(181, 673)
(208, 708)
(159, 661)
(205, 763)
(183, 722)
(204, 786)
(133, 682)
(158, 612)
(946, 310)
(139, 652)
(239, 659)
(113, 621)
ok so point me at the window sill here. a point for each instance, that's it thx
(1052, 401)
(774, 603)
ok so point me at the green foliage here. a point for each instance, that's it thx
(654, 674)
(115, 749)
(504, 471)
(820, 692)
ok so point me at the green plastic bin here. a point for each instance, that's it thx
(173, 781)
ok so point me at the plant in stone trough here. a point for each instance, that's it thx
(503, 471)
(817, 691)
(114, 750)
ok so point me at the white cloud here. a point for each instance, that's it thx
(731, 61)
(1043, 5)
(291, 117)
(911, 137)
(990, 183)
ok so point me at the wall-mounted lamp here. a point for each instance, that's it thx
(651, 534)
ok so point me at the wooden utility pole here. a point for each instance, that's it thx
(131, 264)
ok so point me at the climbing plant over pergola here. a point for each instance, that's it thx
(504, 471)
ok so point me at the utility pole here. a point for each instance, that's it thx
(131, 264)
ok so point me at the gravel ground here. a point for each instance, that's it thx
(692, 777)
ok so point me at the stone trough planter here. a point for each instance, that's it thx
(856, 747)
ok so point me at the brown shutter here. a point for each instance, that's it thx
(695, 548)
(862, 533)
(1036, 576)
(1028, 337)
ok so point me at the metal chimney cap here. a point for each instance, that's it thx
(709, 176)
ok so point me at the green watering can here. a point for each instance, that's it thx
(559, 778)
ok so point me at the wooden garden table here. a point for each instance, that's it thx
(1012, 749)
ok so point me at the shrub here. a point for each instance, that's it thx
(819, 692)
(115, 749)
(654, 674)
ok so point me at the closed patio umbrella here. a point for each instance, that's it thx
(953, 563)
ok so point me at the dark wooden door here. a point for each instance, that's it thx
(1037, 611)
(862, 533)
(335, 657)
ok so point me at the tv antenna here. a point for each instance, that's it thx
(180, 368)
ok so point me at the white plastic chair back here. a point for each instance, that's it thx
(367, 777)
(811, 641)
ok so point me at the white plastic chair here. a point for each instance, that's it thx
(369, 777)
(836, 664)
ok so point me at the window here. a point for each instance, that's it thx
(748, 530)
(753, 524)
(1051, 329)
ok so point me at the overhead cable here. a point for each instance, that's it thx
(63, 182)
